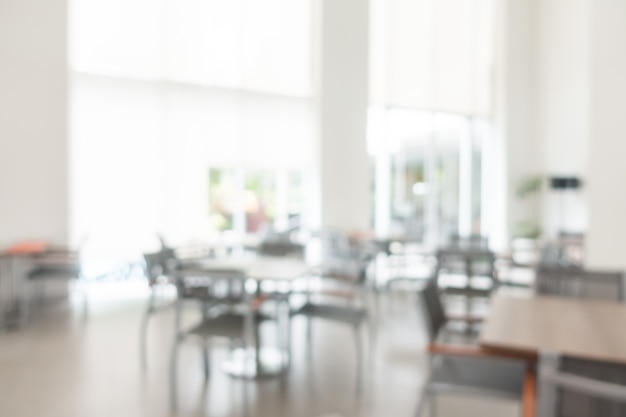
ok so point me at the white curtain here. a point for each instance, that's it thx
(431, 84)
(432, 55)
(164, 90)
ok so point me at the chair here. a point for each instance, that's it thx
(471, 241)
(573, 387)
(155, 269)
(280, 247)
(56, 264)
(475, 264)
(464, 370)
(517, 268)
(346, 313)
(579, 283)
(470, 262)
(227, 322)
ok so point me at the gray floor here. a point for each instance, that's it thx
(60, 366)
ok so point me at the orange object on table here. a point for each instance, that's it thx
(30, 247)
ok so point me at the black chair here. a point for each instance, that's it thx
(347, 312)
(156, 266)
(228, 311)
(466, 273)
(56, 265)
(226, 320)
(463, 370)
(574, 387)
(580, 283)
(280, 247)
(471, 241)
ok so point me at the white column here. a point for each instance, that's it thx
(343, 98)
(511, 151)
(383, 194)
(282, 200)
(607, 144)
(560, 104)
(33, 121)
(465, 182)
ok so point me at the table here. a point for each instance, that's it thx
(525, 325)
(265, 268)
(24, 250)
(262, 362)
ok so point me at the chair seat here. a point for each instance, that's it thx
(348, 315)
(57, 271)
(229, 325)
(480, 376)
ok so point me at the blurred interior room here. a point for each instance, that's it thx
(312, 208)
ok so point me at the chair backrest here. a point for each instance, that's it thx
(471, 241)
(335, 243)
(215, 283)
(579, 283)
(158, 264)
(480, 261)
(432, 309)
(573, 387)
(275, 247)
(152, 267)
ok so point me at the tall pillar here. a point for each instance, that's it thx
(607, 144)
(33, 121)
(344, 167)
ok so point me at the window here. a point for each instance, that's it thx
(429, 120)
(270, 200)
(184, 111)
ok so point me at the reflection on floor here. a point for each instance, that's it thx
(60, 366)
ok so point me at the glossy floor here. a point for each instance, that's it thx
(61, 366)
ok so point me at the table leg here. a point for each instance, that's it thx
(258, 362)
(11, 314)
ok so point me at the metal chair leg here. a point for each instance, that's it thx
(25, 306)
(83, 288)
(372, 334)
(359, 360)
(288, 348)
(420, 404)
(432, 404)
(309, 339)
(173, 375)
(206, 360)
(547, 394)
(144, 332)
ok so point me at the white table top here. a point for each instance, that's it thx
(260, 269)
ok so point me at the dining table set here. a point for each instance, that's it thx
(254, 361)
(563, 332)
(236, 295)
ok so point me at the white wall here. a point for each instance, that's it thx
(33, 121)
(606, 246)
(560, 104)
(543, 113)
(344, 166)
(574, 114)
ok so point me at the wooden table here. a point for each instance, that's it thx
(525, 325)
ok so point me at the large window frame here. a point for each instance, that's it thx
(159, 97)
(432, 60)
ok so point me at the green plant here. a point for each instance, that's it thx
(528, 186)
(527, 190)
